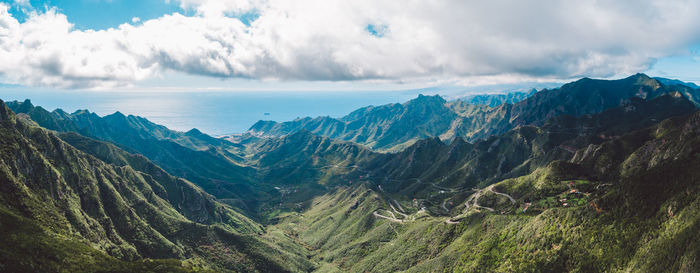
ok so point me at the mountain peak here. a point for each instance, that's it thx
(194, 132)
(640, 76)
(429, 142)
(424, 98)
(116, 115)
(643, 79)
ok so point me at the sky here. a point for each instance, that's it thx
(272, 45)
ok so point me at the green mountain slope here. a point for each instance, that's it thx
(34, 248)
(215, 165)
(188, 199)
(116, 210)
(631, 204)
(430, 165)
(595, 176)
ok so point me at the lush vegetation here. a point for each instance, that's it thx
(588, 177)
(118, 210)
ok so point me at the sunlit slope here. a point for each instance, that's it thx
(626, 205)
(100, 209)
(215, 165)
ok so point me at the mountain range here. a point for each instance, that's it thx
(593, 176)
(394, 127)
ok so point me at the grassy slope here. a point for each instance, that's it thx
(211, 163)
(116, 210)
(36, 249)
(633, 217)
(515, 153)
(188, 199)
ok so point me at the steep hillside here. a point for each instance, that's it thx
(214, 164)
(301, 166)
(379, 127)
(430, 165)
(189, 200)
(100, 209)
(394, 127)
(631, 204)
(303, 156)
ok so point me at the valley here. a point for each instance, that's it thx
(593, 176)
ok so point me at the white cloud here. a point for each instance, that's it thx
(459, 41)
(221, 7)
(24, 3)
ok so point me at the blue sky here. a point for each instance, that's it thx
(684, 66)
(339, 45)
(103, 14)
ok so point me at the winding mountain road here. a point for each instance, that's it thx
(376, 214)
(472, 201)
(512, 200)
(397, 212)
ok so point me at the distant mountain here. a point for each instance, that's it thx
(394, 127)
(67, 209)
(678, 82)
(379, 127)
(493, 100)
(307, 158)
(515, 153)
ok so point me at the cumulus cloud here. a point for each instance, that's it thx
(335, 40)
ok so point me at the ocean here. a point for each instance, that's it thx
(215, 113)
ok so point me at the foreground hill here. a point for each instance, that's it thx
(67, 209)
(394, 127)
